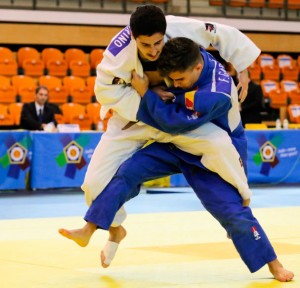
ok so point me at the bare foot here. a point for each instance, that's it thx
(279, 272)
(116, 235)
(81, 236)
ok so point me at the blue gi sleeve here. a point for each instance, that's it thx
(179, 116)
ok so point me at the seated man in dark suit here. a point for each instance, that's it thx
(38, 114)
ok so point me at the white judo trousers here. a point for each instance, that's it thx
(116, 145)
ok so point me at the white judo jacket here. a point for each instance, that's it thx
(112, 87)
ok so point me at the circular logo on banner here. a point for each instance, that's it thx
(268, 152)
(73, 152)
(17, 154)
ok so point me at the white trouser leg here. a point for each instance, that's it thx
(113, 149)
(219, 154)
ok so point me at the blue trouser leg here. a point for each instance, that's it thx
(221, 199)
(224, 202)
(152, 162)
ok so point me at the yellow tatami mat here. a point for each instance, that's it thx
(186, 249)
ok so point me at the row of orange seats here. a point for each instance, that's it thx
(279, 95)
(51, 61)
(283, 67)
(273, 4)
(22, 88)
(86, 116)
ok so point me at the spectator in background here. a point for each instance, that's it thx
(252, 107)
(38, 115)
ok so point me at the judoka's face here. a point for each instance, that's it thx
(150, 47)
(186, 79)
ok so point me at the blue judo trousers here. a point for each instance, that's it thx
(220, 198)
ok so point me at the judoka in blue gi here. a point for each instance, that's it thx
(202, 94)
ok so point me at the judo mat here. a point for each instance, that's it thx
(177, 249)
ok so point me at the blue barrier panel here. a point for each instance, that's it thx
(61, 159)
(15, 154)
(273, 156)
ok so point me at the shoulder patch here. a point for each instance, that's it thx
(120, 41)
(210, 27)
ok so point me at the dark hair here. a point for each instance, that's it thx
(37, 90)
(178, 54)
(147, 20)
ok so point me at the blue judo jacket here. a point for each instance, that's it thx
(209, 100)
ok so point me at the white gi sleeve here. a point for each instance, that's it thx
(233, 45)
(112, 89)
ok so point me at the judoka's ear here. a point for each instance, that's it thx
(199, 67)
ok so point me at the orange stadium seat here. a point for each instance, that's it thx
(33, 67)
(93, 109)
(57, 92)
(294, 5)
(294, 96)
(15, 110)
(257, 3)
(25, 87)
(266, 59)
(57, 68)
(26, 93)
(285, 60)
(90, 82)
(278, 98)
(237, 3)
(73, 81)
(50, 81)
(255, 72)
(81, 95)
(6, 53)
(8, 67)
(294, 113)
(271, 72)
(216, 2)
(27, 53)
(83, 120)
(51, 53)
(5, 118)
(96, 56)
(74, 54)
(267, 86)
(288, 85)
(7, 91)
(69, 110)
(80, 68)
(22, 80)
(290, 73)
(276, 3)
